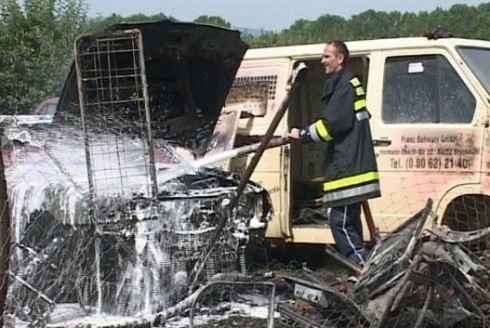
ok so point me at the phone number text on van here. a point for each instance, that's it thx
(431, 163)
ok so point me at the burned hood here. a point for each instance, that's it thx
(188, 69)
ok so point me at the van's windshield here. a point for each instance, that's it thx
(478, 59)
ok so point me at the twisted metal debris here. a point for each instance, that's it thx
(414, 278)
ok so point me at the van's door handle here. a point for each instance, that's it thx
(381, 142)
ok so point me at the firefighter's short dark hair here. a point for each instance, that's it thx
(341, 48)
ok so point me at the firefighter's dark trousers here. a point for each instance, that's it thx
(345, 223)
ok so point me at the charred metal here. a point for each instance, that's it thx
(413, 278)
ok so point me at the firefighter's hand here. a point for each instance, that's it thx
(294, 133)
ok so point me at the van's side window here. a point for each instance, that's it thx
(254, 92)
(425, 89)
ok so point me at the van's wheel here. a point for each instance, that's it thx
(467, 213)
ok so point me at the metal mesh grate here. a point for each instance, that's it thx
(255, 84)
(112, 90)
(253, 88)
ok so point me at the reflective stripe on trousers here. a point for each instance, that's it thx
(346, 227)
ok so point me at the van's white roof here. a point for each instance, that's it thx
(363, 46)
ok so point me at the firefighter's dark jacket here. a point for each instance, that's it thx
(351, 171)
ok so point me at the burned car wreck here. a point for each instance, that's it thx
(94, 226)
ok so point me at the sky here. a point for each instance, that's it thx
(272, 15)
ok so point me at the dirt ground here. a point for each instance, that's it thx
(292, 259)
(236, 322)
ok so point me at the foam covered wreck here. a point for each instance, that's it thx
(93, 226)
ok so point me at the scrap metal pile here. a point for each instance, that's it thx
(414, 278)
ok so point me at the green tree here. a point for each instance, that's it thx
(372, 24)
(100, 23)
(212, 20)
(464, 21)
(482, 21)
(459, 20)
(37, 42)
(37, 38)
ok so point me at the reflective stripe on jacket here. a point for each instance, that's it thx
(351, 171)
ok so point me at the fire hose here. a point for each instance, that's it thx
(187, 167)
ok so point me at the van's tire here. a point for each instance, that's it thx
(467, 213)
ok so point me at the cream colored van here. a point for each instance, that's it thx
(430, 102)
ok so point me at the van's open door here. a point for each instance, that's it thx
(258, 89)
(308, 217)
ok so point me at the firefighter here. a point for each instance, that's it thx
(351, 175)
